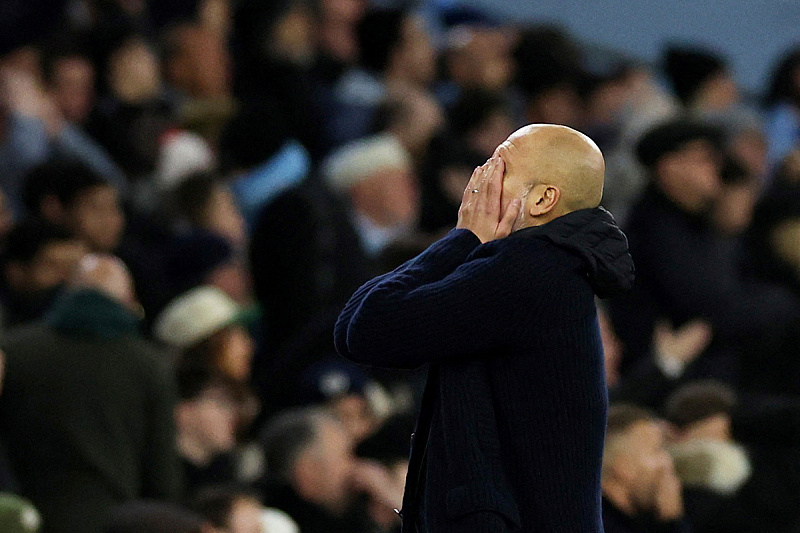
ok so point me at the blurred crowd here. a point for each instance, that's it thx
(190, 190)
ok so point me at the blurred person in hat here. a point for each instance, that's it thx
(701, 79)
(107, 434)
(359, 402)
(685, 270)
(206, 325)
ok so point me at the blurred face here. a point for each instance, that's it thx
(332, 459)
(202, 65)
(414, 57)
(482, 59)
(210, 420)
(641, 462)
(718, 93)
(134, 73)
(236, 353)
(245, 517)
(354, 413)
(73, 88)
(51, 267)
(389, 198)
(97, 219)
(690, 176)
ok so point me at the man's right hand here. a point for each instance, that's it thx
(481, 208)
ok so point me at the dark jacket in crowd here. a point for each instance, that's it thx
(87, 413)
(616, 521)
(684, 271)
(306, 261)
(510, 432)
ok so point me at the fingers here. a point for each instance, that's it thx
(509, 217)
(494, 185)
(473, 182)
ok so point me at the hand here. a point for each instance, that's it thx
(375, 480)
(481, 208)
(684, 344)
(669, 496)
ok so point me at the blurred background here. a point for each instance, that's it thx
(190, 191)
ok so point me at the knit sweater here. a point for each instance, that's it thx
(512, 423)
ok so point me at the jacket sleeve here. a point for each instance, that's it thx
(453, 300)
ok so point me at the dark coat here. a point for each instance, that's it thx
(511, 428)
(87, 414)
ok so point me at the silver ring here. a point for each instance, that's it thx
(475, 191)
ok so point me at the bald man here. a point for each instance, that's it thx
(502, 309)
(87, 406)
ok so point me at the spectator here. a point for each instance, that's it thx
(732, 484)
(204, 202)
(376, 177)
(70, 195)
(684, 270)
(641, 492)
(206, 418)
(394, 52)
(35, 130)
(107, 433)
(358, 402)
(312, 472)
(700, 79)
(205, 324)
(38, 260)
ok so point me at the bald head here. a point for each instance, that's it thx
(106, 274)
(554, 169)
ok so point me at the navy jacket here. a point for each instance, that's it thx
(511, 428)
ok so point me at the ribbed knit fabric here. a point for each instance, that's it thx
(511, 429)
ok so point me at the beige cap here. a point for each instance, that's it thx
(358, 160)
(195, 316)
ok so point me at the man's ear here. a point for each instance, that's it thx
(544, 198)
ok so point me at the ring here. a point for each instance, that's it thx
(475, 191)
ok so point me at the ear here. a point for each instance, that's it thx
(543, 199)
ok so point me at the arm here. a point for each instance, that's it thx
(446, 302)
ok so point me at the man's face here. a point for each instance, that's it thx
(690, 176)
(97, 219)
(333, 457)
(415, 52)
(73, 87)
(211, 420)
(645, 461)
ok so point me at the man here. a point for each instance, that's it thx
(735, 458)
(36, 264)
(641, 493)
(314, 477)
(87, 405)
(685, 271)
(206, 418)
(510, 432)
